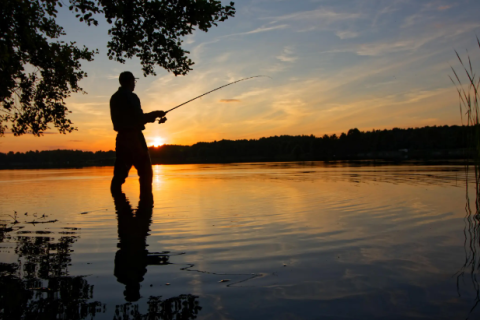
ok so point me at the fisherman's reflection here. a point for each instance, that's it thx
(132, 257)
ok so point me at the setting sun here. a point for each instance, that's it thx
(158, 141)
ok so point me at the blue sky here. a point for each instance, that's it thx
(332, 66)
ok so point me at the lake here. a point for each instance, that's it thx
(307, 240)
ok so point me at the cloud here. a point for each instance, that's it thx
(258, 30)
(91, 108)
(442, 8)
(408, 42)
(223, 57)
(376, 49)
(265, 29)
(287, 55)
(321, 14)
(198, 50)
(411, 20)
(189, 39)
(316, 19)
(252, 93)
(229, 100)
(346, 34)
(384, 11)
(274, 68)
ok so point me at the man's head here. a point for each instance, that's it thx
(127, 80)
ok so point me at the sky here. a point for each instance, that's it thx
(331, 65)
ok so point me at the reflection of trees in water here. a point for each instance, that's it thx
(183, 307)
(62, 298)
(38, 286)
(43, 258)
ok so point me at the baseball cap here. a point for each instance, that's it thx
(125, 76)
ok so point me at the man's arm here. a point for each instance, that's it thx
(152, 116)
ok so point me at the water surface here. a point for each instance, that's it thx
(260, 241)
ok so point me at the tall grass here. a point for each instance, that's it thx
(469, 97)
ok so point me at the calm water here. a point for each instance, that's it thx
(240, 241)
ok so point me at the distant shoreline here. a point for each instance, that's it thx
(442, 143)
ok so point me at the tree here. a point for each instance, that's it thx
(38, 71)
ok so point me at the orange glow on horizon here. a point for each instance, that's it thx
(158, 141)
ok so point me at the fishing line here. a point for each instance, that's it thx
(226, 85)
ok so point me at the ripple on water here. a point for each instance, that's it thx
(301, 239)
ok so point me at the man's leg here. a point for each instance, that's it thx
(123, 163)
(144, 167)
(120, 173)
(145, 173)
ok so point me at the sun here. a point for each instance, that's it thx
(158, 141)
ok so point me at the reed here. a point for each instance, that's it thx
(469, 97)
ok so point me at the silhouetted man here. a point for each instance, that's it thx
(131, 149)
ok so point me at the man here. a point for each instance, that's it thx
(131, 149)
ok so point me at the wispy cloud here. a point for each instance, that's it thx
(409, 41)
(389, 9)
(442, 8)
(91, 108)
(274, 68)
(252, 93)
(321, 14)
(264, 29)
(229, 100)
(287, 55)
(261, 29)
(198, 51)
(381, 48)
(346, 34)
(189, 39)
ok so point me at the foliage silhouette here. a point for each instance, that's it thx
(38, 71)
(182, 307)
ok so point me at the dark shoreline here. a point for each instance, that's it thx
(437, 143)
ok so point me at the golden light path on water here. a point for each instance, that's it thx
(309, 234)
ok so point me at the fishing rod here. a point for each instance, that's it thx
(163, 119)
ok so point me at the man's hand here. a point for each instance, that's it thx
(152, 116)
(159, 114)
(162, 120)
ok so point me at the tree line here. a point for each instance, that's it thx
(437, 142)
(56, 158)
